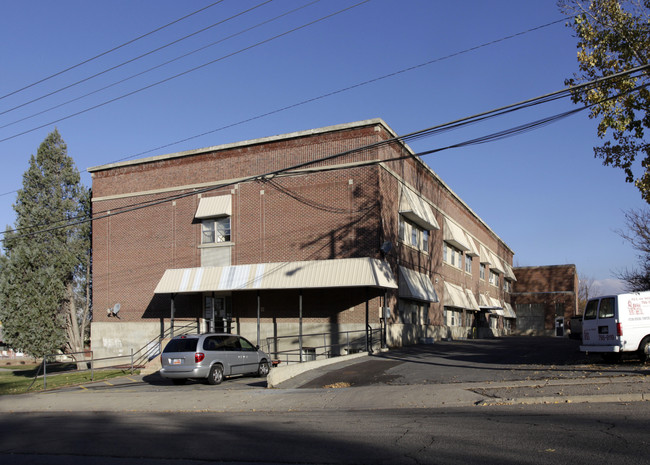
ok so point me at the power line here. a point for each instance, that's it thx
(341, 90)
(132, 60)
(159, 65)
(428, 132)
(109, 51)
(196, 68)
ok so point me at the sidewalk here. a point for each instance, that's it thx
(286, 396)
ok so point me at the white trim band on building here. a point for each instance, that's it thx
(347, 272)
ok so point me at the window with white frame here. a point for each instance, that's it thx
(413, 235)
(468, 264)
(215, 230)
(494, 278)
(413, 312)
(452, 255)
(507, 285)
(453, 317)
(482, 271)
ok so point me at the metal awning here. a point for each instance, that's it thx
(490, 304)
(347, 272)
(473, 251)
(455, 236)
(210, 207)
(471, 300)
(509, 311)
(455, 296)
(496, 263)
(485, 256)
(416, 286)
(510, 274)
(414, 208)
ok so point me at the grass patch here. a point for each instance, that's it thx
(19, 379)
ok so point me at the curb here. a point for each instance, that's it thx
(280, 374)
(605, 398)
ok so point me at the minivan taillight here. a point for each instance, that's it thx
(619, 329)
(198, 357)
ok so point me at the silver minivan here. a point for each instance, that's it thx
(211, 356)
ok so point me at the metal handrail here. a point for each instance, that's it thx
(297, 355)
(153, 348)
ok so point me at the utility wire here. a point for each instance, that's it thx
(158, 66)
(257, 44)
(109, 51)
(340, 91)
(133, 59)
(403, 139)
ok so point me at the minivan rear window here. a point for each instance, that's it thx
(181, 345)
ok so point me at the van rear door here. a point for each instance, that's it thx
(599, 332)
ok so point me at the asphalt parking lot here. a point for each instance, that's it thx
(444, 362)
(470, 361)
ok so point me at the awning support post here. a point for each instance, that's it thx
(173, 311)
(259, 308)
(300, 324)
(368, 328)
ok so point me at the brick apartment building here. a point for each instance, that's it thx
(546, 298)
(338, 232)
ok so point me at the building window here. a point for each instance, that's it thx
(453, 317)
(494, 278)
(482, 271)
(507, 285)
(215, 230)
(468, 264)
(412, 312)
(452, 255)
(413, 235)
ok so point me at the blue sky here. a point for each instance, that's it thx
(542, 192)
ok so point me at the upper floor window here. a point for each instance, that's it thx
(215, 230)
(452, 255)
(494, 278)
(482, 271)
(468, 264)
(413, 235)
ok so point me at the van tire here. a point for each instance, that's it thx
(644, 349)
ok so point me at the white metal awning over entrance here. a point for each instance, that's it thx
(347, 272)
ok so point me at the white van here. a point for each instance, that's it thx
(616, 324)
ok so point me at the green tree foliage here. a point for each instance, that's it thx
(614, 36)
(43, 304)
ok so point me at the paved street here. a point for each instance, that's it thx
(510, 400)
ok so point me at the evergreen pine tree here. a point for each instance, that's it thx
(47, 256)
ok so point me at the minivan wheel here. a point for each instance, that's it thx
(263, 369)
(644, 350)
(216, 375)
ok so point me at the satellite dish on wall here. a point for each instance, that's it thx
(386, 247)
(116, 309)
